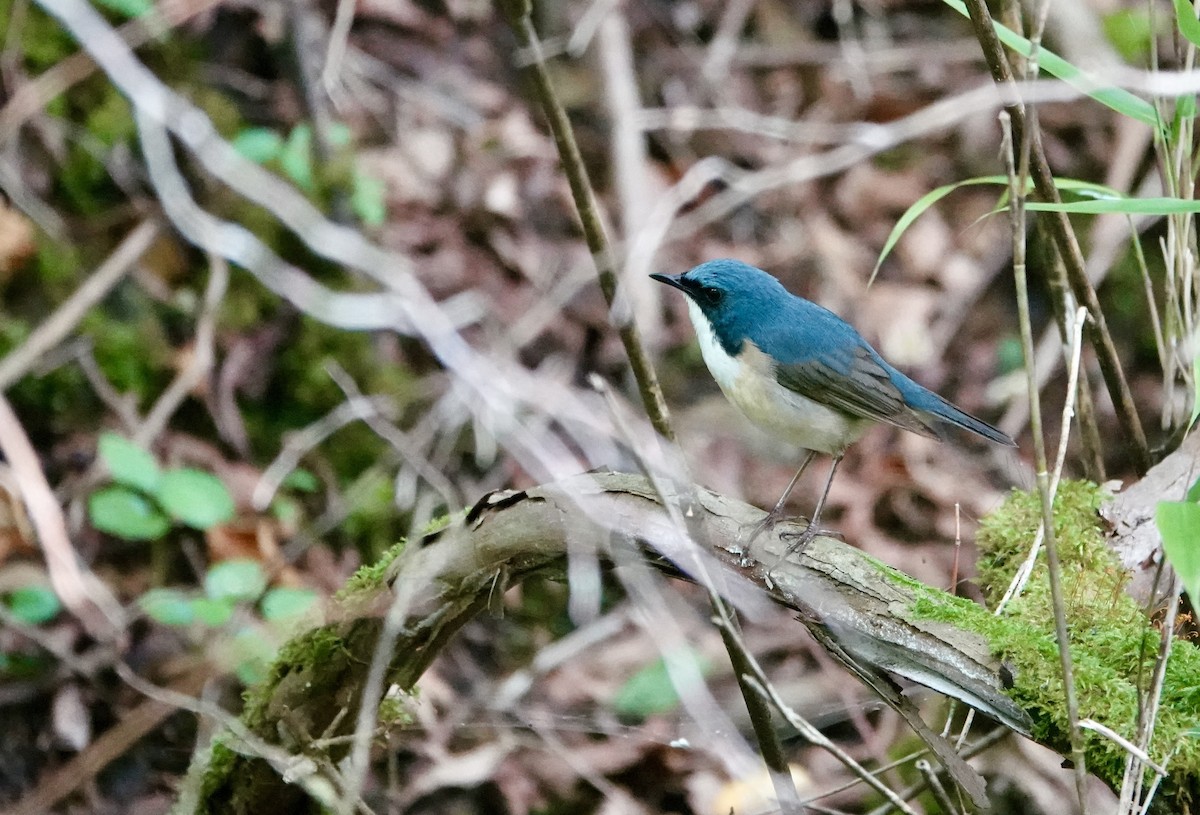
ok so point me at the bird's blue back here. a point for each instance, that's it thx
(805, 339)
(787, 328)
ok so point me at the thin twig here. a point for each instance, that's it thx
(810, 732)
(199, 362)
(1017, 216)
(87, 597)
(55, 328)
(588, 210)
(1124, 743)
(1064, 238)
(935, 786)
(302, 441)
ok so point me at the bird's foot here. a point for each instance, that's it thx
(799, 540)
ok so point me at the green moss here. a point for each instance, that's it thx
(1113, 646)
(369, 578)
(316, 647)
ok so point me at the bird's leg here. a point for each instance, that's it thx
(775, 513)
(814, 525)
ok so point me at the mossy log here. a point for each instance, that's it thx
(877, 617)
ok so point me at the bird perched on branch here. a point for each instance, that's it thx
(803, 374)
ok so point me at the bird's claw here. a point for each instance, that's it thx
(799, 541)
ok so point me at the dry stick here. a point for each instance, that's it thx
(725, 620)
(1148, 715)
(113, 743)
(970, 751)
(1089, 434)
(757, 680)
(80, 591)
(520, 20)
(588, 210)
(1017, 215)
(935, 786)
(30, 97)
(201, 360)
(62, 322)
(1064, 239)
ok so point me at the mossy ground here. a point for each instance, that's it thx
(1113, 644)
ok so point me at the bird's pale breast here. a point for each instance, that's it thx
(749, 382)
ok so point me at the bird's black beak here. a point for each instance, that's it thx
(671, 280)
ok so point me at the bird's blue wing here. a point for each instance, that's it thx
(823, 358)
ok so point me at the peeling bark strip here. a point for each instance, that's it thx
(441, 582)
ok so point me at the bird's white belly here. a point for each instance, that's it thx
(749, 382)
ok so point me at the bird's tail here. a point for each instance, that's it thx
(943, 411)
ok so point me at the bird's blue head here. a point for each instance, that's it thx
(735, 297)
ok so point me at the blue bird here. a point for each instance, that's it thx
(802, 373)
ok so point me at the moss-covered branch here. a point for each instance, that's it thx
(879, 617)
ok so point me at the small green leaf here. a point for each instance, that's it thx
(1196, 393)
(237, 580)
(650, 691)
(1119, 99)
(286, 510)
(368, 198)
(168, 606)
(1193, 493)
(253, 653)
(259, 144)
(282, 602)
(34, 604)
(1127, 206)
(1129, 31)
(1179, 524)
(1189, 26)
(212, 613)
(296, 158)
(127, 514)
(129, 463)
(128, 8)
(1077, 187)
(195, 497)
(339, 134)
(302, 480)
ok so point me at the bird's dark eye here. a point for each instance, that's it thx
(712, 295)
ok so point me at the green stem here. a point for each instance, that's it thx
(1064, 239)
(590, 219)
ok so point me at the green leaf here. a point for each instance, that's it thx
(286, 510)
(650, 691)
(1083, 189)
(1120, 100)
(1129, 31)
(259, 144)
(210, 612)
(1196, 386)
(1189, 26)
(339, 134)
(1179, 524)
(368, 198)
(302, 480)
(195, 498)
(1128, 206)
(127, 514)
(253, 653)
(296, 157)
(34, 604)
(168, 606)
(236, 580)
(282, 602)
(129, 463)
(1193, 493)
(128, 8)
